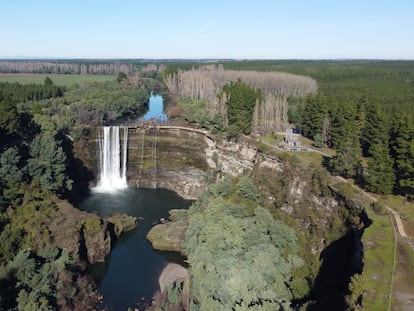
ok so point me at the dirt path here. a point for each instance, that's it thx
(405, 299)
(397, 217)
(398, 221)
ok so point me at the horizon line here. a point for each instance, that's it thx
(212, 59)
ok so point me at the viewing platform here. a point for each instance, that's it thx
(153, 123)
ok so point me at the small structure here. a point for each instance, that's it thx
(292, 139)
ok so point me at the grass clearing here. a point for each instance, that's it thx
(272, 139)
(403, 290)
(378, 241)
(60, 80)
(309, 157)
(406, 210)
(305, 141)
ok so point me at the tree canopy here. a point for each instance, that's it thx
(238, 261)
(241, 100)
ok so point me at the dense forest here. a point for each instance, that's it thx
(230, 97)
(361, 109)
(38, 173)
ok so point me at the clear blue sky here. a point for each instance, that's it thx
(269, 29)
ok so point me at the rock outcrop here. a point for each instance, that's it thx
(122, 223)
(172, 273)
(168, 236)
(84, 235)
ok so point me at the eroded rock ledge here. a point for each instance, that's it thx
(87, 236)
(168, 236)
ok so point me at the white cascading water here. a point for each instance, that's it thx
(112, 174)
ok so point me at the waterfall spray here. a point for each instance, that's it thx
(111, 177)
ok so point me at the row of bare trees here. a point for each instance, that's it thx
(154, 67)
(60, 67)
(270, 114)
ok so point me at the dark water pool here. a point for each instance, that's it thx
(130, 274)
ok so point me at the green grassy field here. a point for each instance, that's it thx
(406, 210)
(403, 289)
(379, 246)
(61, 80)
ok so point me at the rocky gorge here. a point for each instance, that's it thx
(186, 161)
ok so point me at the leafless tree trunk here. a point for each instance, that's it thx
(270, 116)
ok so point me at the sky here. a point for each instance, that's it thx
(215, 29)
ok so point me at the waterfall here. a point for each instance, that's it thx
(112, 173)
(124, 155)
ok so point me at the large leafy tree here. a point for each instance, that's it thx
(239, 262)
(48, 164)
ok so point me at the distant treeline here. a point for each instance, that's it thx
(19, 93)
(390, 84)
(239, 100)
(89, 66)
(67, 67)
(364, 110)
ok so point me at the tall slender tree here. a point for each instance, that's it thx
(240, 105)
(379, 175)
(374, 129)
(402, 144)
(315, 115)
(345, 138)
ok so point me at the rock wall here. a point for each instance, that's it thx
(165, 158)
(84, 235)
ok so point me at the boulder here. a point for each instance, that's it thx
(122, 223)
(172, 273)
(168, 236)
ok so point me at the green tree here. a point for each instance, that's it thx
(346, 162)
(247, 188)
(356, 289)
(318, 141)
(48, 164)
(121, 77)
(313, 113)
(402, 145)
(37, 277)
(9, 162)
(345, 135)
(379, 176)
(240, 105)
(374, 129)
(9, 117)
(48, 82)
(239, 262)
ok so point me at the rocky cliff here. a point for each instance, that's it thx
(84, 235)
(167, 158)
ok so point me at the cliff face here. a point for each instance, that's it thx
(85, 236)
(180, 160)
(167, 158)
